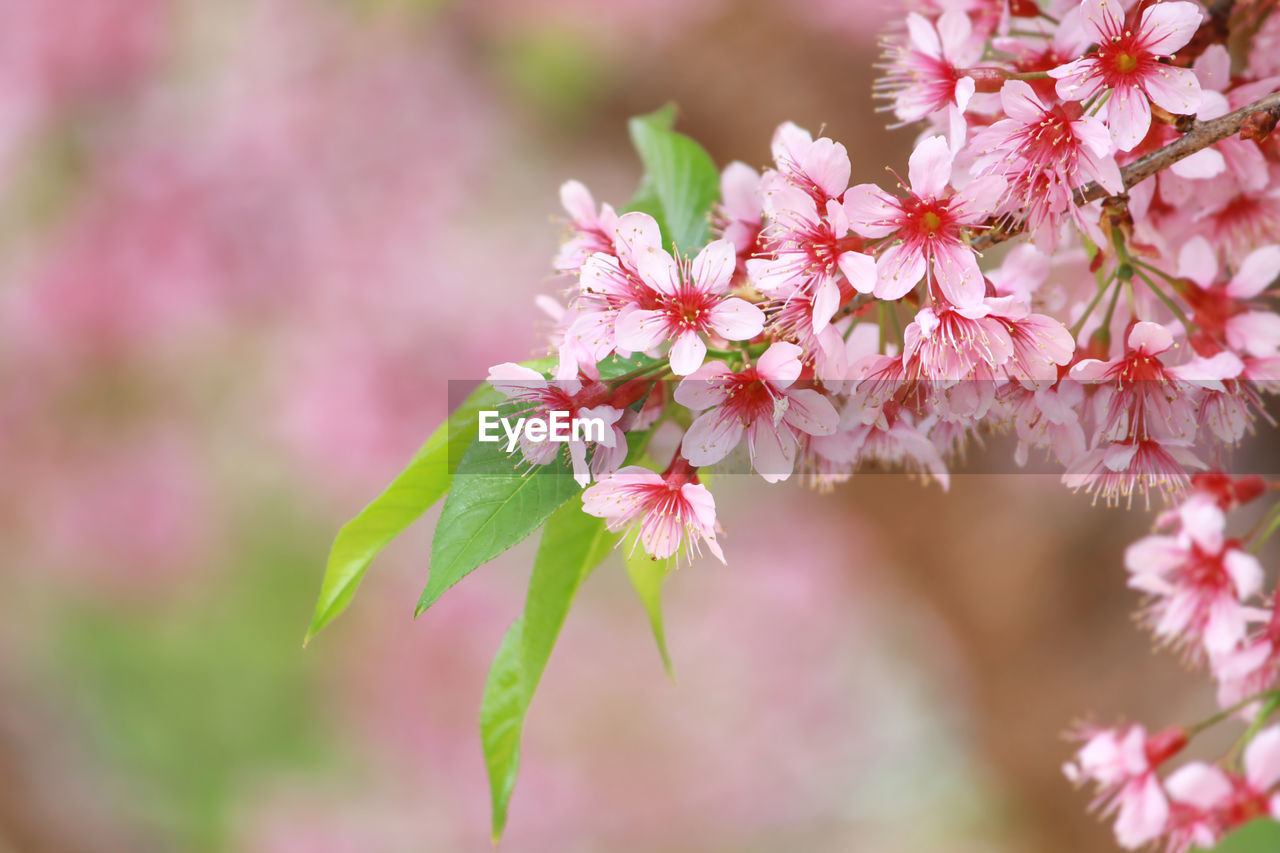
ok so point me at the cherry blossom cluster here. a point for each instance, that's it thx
(1204, 597)
(830, 328)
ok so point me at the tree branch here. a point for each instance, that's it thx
(1201, 135)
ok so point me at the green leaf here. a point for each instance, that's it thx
(411, 493)
(573, 543)
(680, 182)
(647, 575)
(1260, 836)
(492, 506)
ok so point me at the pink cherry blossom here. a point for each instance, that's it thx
(926, 75)
(758, 402)
(1208, 802)
(690, 302)
(1224, 314)
(929, 225)
(539, 397)
(1122, 764)
(609, 282)
(1198, 582)
(670, 509)
(810, 250)
(818, 167)
(592, 231)
(1046, 153)
(1127, 65)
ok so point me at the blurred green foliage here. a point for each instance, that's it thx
(201, 701)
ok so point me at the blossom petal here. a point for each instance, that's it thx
(700, 389)
(1262, 759)
(1198, 262)
(687, 353)
(773, 450)
(1128, 117)
(956, 269)
(1256, 273)
(929, 168)
(1175, 89)
(859, 269)
(809, 411)
(872, 212)
(713, 267)
(640, 330)
(826, 299)
(1167, 27)
(658, 270)
(711, 437)
(736, 319)
(780, 364)
(898, 269)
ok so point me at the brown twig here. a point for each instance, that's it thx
(1201, 135)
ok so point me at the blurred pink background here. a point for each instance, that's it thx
(244, 245)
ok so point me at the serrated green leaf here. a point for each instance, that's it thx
(493, 505)
(1260, 836)
(423, 482)
(680, 182)
(647, 576)
(573, 544)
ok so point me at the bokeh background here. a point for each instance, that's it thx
(244, 245)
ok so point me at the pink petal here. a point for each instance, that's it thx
(1197, 261)
(687, 353)
(771, 276)
(780, 364)
(640, 330)
(658, 270)
(872, 212)
(859, 269)
(1245, 572)
(898, 270)
(740, 191)
(1150, 338)
(955, 31)
(929, 168)
(1262, 759)
(1258, 270)
(1128, 117)
(700, 390)
(924, 37)
(1144, 811)
(634, 234)
(773, 450)
(1255, 332)
(713, 267)
(811, 412)
(1020, 102)
(736, 319)
(711, 437)
(1175, 89)
(1205, 163)
(577, 201)
(1102, 18)
(1198, 784)
(956, 269)
(511, 372)
(978, 199)
(826, 299)
(1166, 27)
(826, 163)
